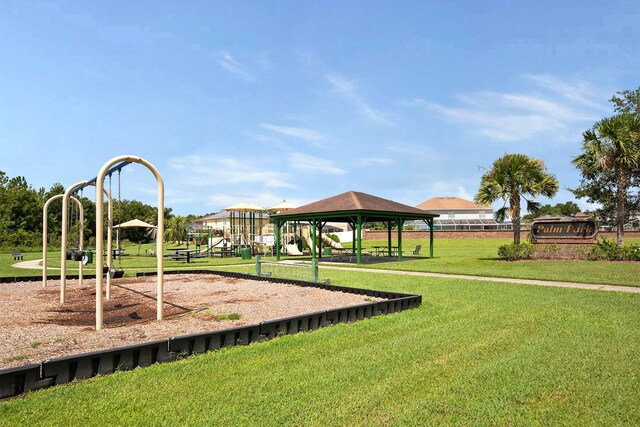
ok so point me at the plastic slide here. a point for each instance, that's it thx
(327, 241)
(214, 243)
(310, 243)
(293, 250)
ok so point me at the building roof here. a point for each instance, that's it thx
(344, 206)
(450, 204)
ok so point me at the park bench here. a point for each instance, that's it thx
(17, 255)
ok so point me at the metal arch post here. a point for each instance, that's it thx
(100, 233)
(63, 244)
(45, 226)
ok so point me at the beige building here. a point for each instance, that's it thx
(459, 214)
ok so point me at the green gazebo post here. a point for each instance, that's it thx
(277, 227)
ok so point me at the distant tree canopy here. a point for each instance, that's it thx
(610, 162)
(21, 209)
(559, 209)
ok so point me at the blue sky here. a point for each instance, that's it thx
(265, 101)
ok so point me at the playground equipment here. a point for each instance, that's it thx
(73, 189)
(243, 221)
(289, 238)
(45, 226)
(115, 164)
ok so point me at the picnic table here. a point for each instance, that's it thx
(383, 250)
(225, 251)
(185, 254)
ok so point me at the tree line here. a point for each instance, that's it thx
(609, 164)
(21, 210)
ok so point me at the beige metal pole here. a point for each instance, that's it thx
(80, 238)
(109, 245)
(100, 233)
(45, 226)
(63, 245)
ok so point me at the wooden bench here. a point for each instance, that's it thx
(17, 255)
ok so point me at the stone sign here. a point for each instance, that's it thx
(564, 230)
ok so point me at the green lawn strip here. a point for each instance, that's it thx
(473, 353)
(452, 256)
(131, 264)
(478, 257)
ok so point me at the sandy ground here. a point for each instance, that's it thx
(34, 326)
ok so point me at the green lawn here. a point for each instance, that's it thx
(478, 257)
(475, 353)
(471, 256)
(131, 264)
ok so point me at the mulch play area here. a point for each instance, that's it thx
(34, 326)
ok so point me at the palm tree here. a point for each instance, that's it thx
(612, 147)
(175, 229)
(512, 177)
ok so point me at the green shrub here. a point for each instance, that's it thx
(604, 250)
(513, 252)
(632, 253)
(608, 250)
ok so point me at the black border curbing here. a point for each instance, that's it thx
(15, 381)
(15, 279)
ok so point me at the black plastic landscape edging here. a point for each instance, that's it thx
(15, 279)
(15, 381)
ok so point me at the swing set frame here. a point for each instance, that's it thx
(111, 166)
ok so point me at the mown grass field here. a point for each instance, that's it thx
(478, 257)
(475, 353)
(470, 256)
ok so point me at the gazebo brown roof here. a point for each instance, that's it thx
(345, 206)
(355, 208)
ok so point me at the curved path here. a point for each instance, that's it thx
(35, 265)
(591, 286)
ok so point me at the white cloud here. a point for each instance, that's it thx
(221, 171)
(264, 138)
(300, 133)
(346, 88)
(579, 91)
(229, 63)
(368, 161)
(312, 164)
(518, 117)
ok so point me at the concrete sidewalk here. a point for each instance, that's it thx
(589, 286)
(35, 264)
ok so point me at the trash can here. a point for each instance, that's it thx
(326, 251)
(89, 257)
(245, 253)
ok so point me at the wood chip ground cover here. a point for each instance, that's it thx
(34, 326)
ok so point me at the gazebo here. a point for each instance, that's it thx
(354, 208)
